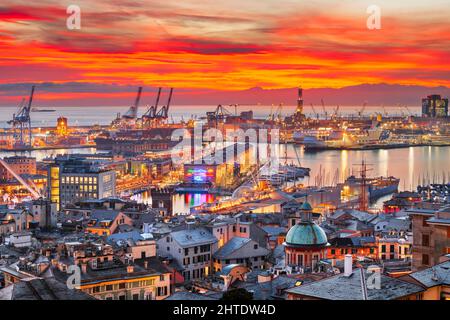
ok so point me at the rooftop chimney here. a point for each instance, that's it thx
(348, 262)
(145, 264)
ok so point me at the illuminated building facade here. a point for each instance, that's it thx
(73, 179)
(61, 127)
(434, 106)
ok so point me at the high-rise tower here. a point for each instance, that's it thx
(299, 110)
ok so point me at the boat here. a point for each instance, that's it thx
(42, 110)
(376, 187)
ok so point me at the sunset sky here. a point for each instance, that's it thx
(222, 45)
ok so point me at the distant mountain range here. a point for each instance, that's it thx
(91, 94)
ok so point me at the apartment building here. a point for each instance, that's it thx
(192, 249)
(431, 236)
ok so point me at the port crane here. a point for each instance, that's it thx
(153, 116)
(163, 113)
(314, 111)
(217, 116)
(151, 111)
(132, 112)
(335, 113)
(22, 121)
(360, 111)
(324, 110)
(409, 111)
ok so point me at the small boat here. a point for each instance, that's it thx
(42, 110)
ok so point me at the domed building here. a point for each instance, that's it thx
(306, 242)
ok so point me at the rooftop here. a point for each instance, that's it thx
(193, 237)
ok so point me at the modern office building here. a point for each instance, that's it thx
(73, 179)
(434, 106)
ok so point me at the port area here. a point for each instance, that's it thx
(52, 147)
(374, 146)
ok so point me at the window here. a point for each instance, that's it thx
(424, 221)
(186, 251)
(425, 240)
(122, 297)
(255, 246)
(392, 248)
(383, 248)
(136, 296)
(425, 259)
(333, 251)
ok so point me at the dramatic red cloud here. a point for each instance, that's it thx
(231, 46)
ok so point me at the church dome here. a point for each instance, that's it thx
(305, 234)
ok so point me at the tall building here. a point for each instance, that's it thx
(72, 179)
(300, 101)
(299, 115)
(434, 106)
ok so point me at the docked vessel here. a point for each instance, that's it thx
(42, 110)
(376, 187)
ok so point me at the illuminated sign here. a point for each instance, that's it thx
(199, 174)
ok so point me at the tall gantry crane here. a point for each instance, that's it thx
(22, 121)
(152, 117)
(150, 114)
(132, 112)
(360, 111)
(324, 110)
